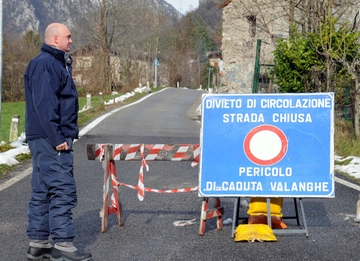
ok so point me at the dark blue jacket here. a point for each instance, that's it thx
(51, 97)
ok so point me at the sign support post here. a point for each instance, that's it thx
(156, 63)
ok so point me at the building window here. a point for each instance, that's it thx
(252, 25)
(276, 37)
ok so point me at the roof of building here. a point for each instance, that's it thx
(226, 3)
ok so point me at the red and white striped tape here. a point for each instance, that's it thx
(196, 156)
(115, 185)
(117, 151)
(180, 153)
(141, 186)
(153, 153)
(182, 190)
(130, 150)
(181, 223)
(100, 152)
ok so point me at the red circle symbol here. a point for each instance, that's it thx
(265, 145)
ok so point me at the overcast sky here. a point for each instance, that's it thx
(184, 6)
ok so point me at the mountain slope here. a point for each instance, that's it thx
(21, 16)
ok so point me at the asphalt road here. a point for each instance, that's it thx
(149, 233)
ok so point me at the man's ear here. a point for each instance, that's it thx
(56, 39)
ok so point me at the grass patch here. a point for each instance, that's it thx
(5, 147)
(23, 157)
(343, 163)
(8, 109)
(4, 169)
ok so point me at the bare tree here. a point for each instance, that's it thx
(123, 37)
(348, 55)
(99, 34)
(18, 51)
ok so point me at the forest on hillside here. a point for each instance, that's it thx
(134, 34)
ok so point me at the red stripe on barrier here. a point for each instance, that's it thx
(181, 153)
(183, 190)
(154, 151)
(99, 152)
(132, 151)
(117, 151)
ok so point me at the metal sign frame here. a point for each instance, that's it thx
(267, 145)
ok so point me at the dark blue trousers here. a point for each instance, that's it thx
(53, 193)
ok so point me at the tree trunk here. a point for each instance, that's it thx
(104, 49)
(328, 74)
(291, 16)
(356, 105)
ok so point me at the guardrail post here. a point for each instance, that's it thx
(14, 128)
(101, 97)
(88, 101)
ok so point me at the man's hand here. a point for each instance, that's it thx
(62, 146)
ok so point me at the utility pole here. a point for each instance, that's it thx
(257, 68)
(156, 64)
(198, 60)
(1, 56)
(210, 70)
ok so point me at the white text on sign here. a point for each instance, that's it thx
(265, 172)
(268, 103)
(276, 117)
(253, 186)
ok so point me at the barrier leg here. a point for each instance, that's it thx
(110, 176)
(207, 213)
(116, 204)
(104, 212)
(235, 216)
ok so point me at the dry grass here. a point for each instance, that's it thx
(346, 144)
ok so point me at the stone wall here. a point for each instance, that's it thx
(244, 22)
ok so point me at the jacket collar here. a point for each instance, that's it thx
(58, 54)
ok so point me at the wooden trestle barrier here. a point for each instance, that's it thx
(108, 153)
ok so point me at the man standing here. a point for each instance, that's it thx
(51, 126)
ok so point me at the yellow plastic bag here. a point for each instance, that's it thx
(252, 232)
(258, 206)
(258, 212)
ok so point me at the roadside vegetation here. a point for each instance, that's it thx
(346, 144)
(18, 108)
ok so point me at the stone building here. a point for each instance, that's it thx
(244, 22)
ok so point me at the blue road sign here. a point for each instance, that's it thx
(156, 62)
(267, 145)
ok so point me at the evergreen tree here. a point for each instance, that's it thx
(204, 43)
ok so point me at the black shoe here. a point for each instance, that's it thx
(58, 255)
(36, 253)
